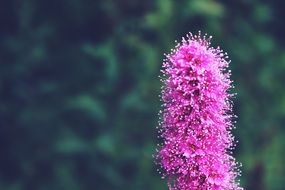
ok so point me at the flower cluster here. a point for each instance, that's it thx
(196, 118)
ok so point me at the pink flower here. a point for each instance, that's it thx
(196, 119)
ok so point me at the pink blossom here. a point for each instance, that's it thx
(196, 118)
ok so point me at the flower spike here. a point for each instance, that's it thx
(196, 118)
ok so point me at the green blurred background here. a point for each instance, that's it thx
(79, 89)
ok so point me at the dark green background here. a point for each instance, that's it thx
(79, 88)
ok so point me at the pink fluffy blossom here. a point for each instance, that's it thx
(196, 118)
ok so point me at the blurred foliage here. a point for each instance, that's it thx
(79, 89)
